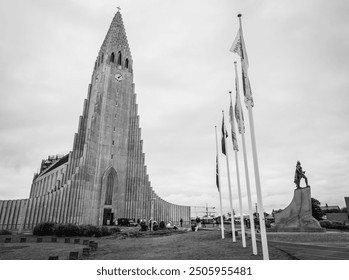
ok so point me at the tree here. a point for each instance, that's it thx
(315, 209)
(344, 210)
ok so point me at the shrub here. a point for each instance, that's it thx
(67, 230)
(162, 225)
(325, 224)
(334, 225)
(72, 230)
(45, 228)
(105, 231)
(5, 232)
(88, 230)
(114, 230)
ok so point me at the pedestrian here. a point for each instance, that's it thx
(181, 222)
(198, 221)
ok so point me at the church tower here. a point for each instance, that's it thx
(104, 177)
(103, 140)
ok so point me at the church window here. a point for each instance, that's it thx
(112, 57)
(102, 57)
(126, 63)
(114, 128)
(109, 190)
(113, 142)
(119, 59)
(111, 156)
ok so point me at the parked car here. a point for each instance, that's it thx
(132, 223)
(124, 222)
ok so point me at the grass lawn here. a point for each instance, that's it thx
(131, 244)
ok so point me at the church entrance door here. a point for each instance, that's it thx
(108, 217)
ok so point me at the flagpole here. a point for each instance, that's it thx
(219, 188)
(253, 230)
(258, 187)
(243, 237)
(247, 176)
(229, 187)
(257, 176)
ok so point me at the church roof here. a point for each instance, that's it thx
(116, 38)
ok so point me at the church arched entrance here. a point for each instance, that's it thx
(109, 183)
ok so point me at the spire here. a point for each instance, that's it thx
(116, 39)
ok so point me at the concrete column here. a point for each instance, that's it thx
(33, 212)
(44, 208)
(58, 206)
(27, 215)
(129, 161)
(39, 184)
(67, 202)
(49, 208)
(61, 214)
(6, 210)
(10, 214)
(75, 198)
(40, 210)
(22, 215)
(55, 206)
(79, 199)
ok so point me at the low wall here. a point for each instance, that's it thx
(12, 214)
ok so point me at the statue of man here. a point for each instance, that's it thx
(299, 174)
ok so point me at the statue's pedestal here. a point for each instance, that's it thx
(297, 216)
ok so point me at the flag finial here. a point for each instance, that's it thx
(235, 62)
(239, 15)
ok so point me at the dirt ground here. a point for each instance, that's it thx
(135, 245)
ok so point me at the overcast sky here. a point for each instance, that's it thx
(183, 71)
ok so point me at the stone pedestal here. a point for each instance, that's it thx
(298, 215)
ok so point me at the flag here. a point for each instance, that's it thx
(239, 48)
(239, 116)
(224, 134)
(217, 173)
(233, 134)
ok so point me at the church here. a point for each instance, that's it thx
(104, 177)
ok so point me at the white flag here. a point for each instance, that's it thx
(233, 134)
(239, 48)
(239, 116)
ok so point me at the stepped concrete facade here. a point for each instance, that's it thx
(104, 177)
(297, 216)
